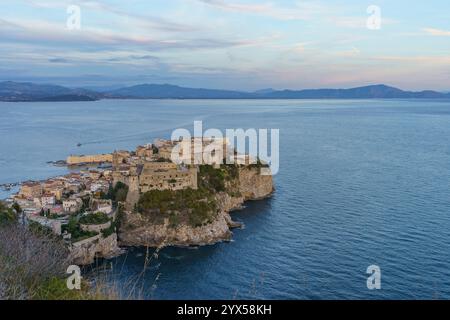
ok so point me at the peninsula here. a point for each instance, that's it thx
(142, 198)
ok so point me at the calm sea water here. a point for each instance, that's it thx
(360, 183)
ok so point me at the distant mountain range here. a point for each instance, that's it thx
(26, 91)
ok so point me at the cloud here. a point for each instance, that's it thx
(437, 32)
(44, 33)
(58, 60)
(421, 60)
(300, 11)
(138, 20)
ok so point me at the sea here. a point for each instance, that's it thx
(361, 183)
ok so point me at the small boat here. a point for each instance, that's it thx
(78, 144)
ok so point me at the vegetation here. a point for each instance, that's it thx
(73, 227)
(214, 179)
(258, 165)
(47, 214)
(7, 215)
(39, 229)
(95, 218)
(109, 231)
(55, 288)
(17, 207)
(188, 206)
(27, 260)
(33, 263)
(118, 193)
(120, 215)
(85, 204)
(33, 267)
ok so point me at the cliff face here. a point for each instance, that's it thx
(254, 186)
(141, 232)
(85, 252)
(138, 230)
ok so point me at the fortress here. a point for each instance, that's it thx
(98, 158)
(155, 176)
(143, 171)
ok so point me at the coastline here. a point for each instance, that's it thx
(110, 199)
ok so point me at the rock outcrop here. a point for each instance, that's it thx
(138, 230)
(254, 186)
(144, 233)
(85, 252)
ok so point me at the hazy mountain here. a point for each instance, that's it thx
(26, 91)
(102, 89)
(368, 92)
(166, 91)
(15, 91)
(264, 91)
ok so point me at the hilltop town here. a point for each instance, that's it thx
(143, 198)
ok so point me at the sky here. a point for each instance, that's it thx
(236, 44)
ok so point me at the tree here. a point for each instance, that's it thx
(7, 215)
(72, 226)
(17, 207)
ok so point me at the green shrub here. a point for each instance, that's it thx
(118, 193)
(211, 178)
(73, 227)
(7, 215)
(109, 231)
(193, 207)
(95, 218)
(56, 289)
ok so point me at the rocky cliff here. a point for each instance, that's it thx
(85, 252)
(139, 230)
(254, 186)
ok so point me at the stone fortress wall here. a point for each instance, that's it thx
(142, 172)
(97, 158)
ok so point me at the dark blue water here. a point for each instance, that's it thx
(360, 183)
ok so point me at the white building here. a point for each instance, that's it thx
(96, 187)
(72, 205)
(105, 208)
(48, 200)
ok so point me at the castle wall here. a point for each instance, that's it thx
(74, 160)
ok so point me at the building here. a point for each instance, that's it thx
(119, 158)
(55, 210)
(157, 176)
(99, 187)
(196, 151)
(94, 174)
(31, 190)
(166, 176)
(48, 200)
(144, 151)
(72, 205)
(101, 205)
